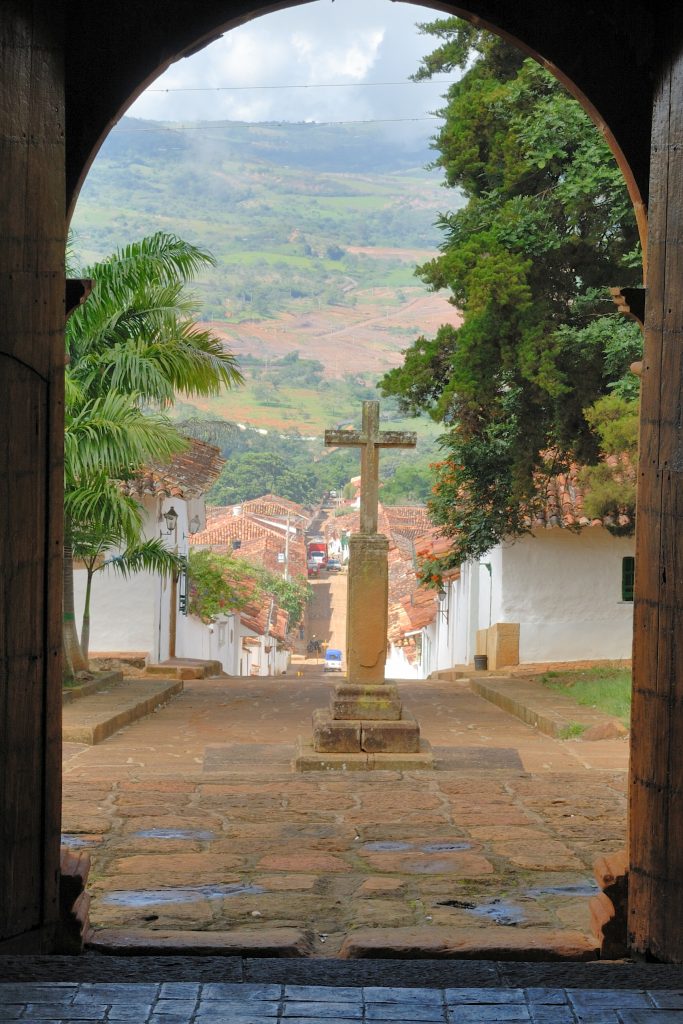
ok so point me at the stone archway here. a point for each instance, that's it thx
(67, 72)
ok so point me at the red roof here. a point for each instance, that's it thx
(272, 505)
(187, 475)
(411, 606)
(409, 520)
(565, 496)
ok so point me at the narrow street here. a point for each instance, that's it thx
(326, 614)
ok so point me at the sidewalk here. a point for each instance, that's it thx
(219, 1003)
(201, 833)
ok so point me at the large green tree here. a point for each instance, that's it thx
(547, 226)
(131, 348)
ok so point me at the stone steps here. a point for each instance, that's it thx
(185, 668)
(93, 718)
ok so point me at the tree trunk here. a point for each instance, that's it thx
(72, 649)
(85, 625)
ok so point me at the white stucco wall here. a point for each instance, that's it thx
(134, 614)
(398, 667)
(218, 644)
(564, 589)
(122, 612)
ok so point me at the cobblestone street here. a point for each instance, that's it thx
(199, 828)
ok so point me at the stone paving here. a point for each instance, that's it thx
(198, 826)
(224, 1003)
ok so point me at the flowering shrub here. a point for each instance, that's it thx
(220, 585)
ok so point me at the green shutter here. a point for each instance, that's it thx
(628, 572)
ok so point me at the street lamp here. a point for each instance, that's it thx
(171, 518)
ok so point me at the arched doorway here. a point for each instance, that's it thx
(74, 75)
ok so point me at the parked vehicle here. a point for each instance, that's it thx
(313, 568)
(317, 550)
(333, 660)
(334, 565)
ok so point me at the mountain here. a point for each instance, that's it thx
(316, 230)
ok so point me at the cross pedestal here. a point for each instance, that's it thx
(366, 725)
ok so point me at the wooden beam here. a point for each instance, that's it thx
(32, 237)
(656, 775)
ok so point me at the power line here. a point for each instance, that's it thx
(212, 125)
(319, 85)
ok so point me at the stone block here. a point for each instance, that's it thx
(502, 644)
(332, 736)
(267, 942)
(308, 760)
(433, 943)
(368, 703)
(383, 737)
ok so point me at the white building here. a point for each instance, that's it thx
(560, 594)
(142, 614)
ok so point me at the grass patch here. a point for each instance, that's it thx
(606, 688)
(572, 731)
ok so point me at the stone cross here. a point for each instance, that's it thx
(366, 725)
(370, 439)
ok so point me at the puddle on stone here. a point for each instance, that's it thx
(499, 911)
(444, 847)
(387, 846)
(174, 833)
(75, 841)
(577, 889)
(396, 846)
(179, 894)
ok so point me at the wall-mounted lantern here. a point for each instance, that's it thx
(171, 518)
(443, 603)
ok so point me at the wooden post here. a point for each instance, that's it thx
(656, 778)
(32, 234)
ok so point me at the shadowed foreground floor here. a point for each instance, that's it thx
(197, 824)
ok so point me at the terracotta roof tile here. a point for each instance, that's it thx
(409, 520)
(565, 496)
(187, 475)
(273, 505)
(411, 607)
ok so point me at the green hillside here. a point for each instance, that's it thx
(278, 205)
(316, 231)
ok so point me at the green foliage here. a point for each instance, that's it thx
(547, 226)
(611, 483)
(291, 595)
(133, 345)
(572, 731)
(411, 484)
(219, 585)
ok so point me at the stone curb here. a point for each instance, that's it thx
(530, 944)
(274, 942)
(94, 718)
(101, 682)
(552, 715)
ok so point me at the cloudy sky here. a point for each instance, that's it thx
(336, 49)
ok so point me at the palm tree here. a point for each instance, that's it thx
(130, 349)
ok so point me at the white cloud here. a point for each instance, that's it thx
(349, 42)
